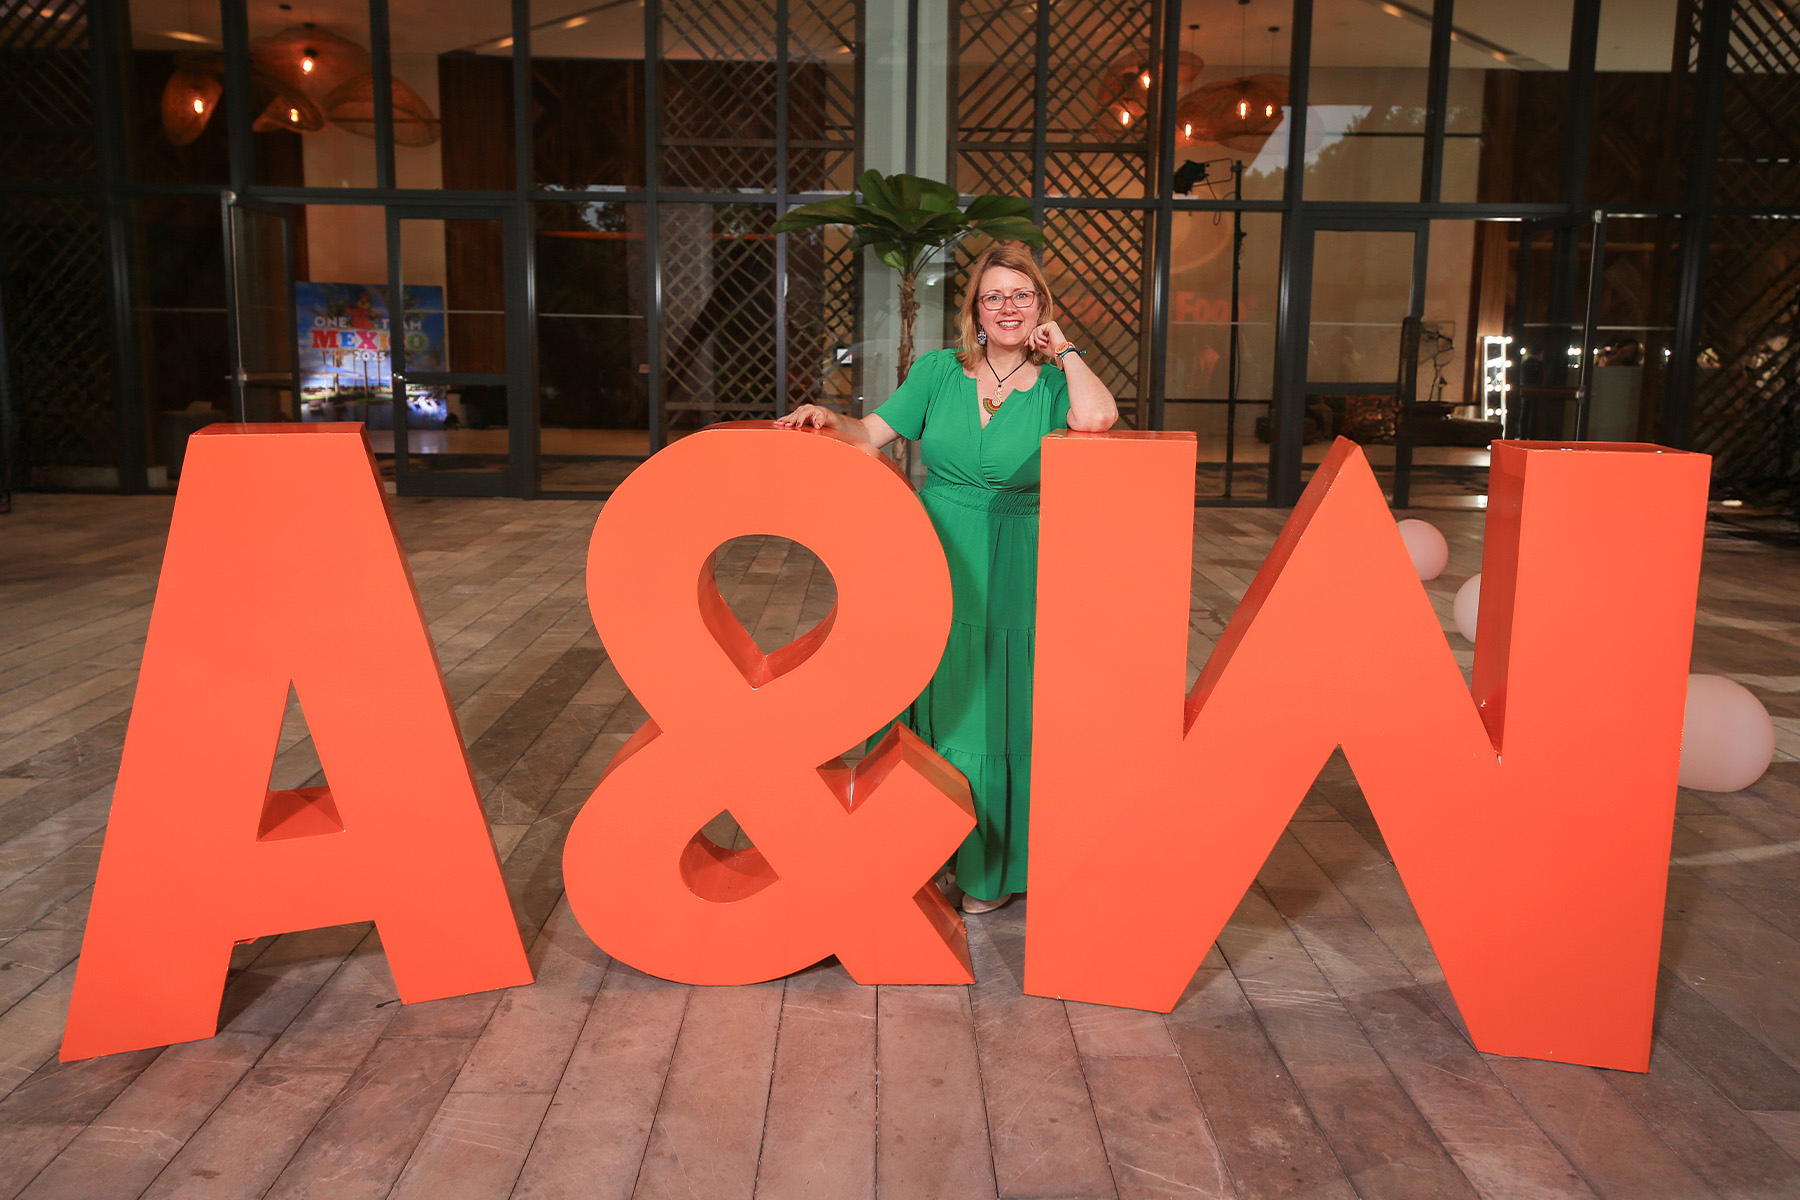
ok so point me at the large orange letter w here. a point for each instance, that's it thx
(1530, 821)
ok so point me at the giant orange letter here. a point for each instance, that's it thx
(842, 863)
(283, 567)
(1530, 822)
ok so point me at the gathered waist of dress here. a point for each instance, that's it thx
(981, 499)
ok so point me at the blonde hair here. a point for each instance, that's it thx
(1014, 257)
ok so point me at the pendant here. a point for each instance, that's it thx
(991, 406)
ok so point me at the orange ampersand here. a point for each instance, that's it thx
(843, 860)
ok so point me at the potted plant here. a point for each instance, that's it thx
(905, 220)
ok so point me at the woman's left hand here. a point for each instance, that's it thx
(1047, 337)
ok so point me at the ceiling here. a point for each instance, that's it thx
(1635, 35)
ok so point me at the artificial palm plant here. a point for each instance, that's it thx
(905, 220)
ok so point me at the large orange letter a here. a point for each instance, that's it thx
(283, 567)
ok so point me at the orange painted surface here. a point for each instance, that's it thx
(1530, 823)
(283, 567)
(842, 861)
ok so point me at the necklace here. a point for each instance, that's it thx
(992, 406)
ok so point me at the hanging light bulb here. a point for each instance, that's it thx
(1187, 130)
(199, 105)
(1243, 108)
(1268, 110)
(1124, 116)
(294, 116)
(1145, 80)
(309, 58)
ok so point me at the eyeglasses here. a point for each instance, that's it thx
(1021, 299)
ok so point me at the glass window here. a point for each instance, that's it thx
(453, 94)
(994, 88)
(1366, 94)
(1097, 272)
(1232, 89)
(1504, 128)
(587, 60)
(593, 354)
(313, 92)
(823, 66)
(1639, 148)
(1635, 328)
(1101, 123)
(1759, 152)
(1205, 344)
(718, 314)
(47, 103)
(717, 96)
(175, 96)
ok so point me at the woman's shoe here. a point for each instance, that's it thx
(972, 905)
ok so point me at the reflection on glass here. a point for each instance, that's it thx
(176, 96)
(591, 341)
(1100, 133)
(454, 271)
(1361, 292)
(340, 272)
(453, 110)
(1636, 327)
(1232, 91)
(822, 94)
(587, 59)
(1204, 343)
(718, 93)
(994, 80)
(179, 294)
(1508, 101)
(311, 91)
(1758, 164)
(1097, 277)
(718, 314)
(1366, 100)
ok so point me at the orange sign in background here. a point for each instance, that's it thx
(843, 860)
(1530, 821)
(278, 533)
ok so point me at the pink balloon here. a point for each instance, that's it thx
(1727, 736)
(1429, 551)
(1468, 604)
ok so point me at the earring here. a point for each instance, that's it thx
(981, 337)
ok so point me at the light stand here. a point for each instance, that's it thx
(1186, 176)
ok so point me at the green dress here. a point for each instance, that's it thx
(982, 497)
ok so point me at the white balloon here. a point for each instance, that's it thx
(1429, 551)
(1727, 736)
(1466, 606)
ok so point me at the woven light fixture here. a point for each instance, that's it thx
(352, 107)
(308, 60)
(188, 101)
(1122, 96)
(291, 112)
(1240, 113)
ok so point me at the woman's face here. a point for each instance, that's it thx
(1009, 326)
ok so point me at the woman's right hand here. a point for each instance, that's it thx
(811, 414)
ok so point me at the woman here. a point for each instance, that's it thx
(980, 412)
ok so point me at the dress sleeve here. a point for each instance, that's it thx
(904, 411)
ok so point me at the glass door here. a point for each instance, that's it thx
(1359, 290)
(1554, 337)
(260, 306)
(460, 409)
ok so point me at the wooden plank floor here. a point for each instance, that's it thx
(1317, 1055)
